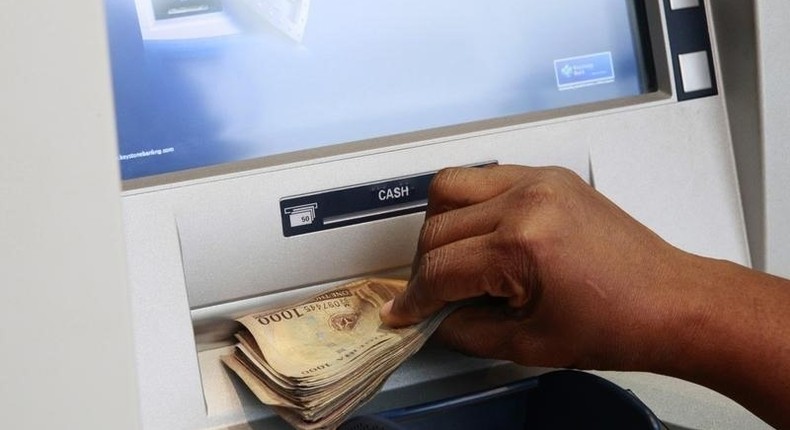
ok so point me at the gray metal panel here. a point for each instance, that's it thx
(234, 248)
(672, 168)
(669, 164)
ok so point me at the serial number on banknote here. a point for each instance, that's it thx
(298, 312)
(326, 305)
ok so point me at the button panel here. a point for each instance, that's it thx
(690, 45)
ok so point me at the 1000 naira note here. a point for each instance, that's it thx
(315, 362)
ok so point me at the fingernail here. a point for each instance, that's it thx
(384, 313)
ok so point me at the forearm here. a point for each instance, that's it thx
(730, 331)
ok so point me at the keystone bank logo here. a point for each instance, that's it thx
(567, 71)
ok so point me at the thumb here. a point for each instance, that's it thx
(493, 332)
(481, 331)
(407, 309)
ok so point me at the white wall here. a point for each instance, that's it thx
(754, 34)
(65, 333)
(773, 18)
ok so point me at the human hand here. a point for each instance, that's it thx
(577, 282)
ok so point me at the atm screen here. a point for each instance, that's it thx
(205, 82)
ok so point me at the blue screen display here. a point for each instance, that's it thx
(203, 82)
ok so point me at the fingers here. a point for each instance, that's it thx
(417, 302)
(460, 205)
(494, 332)
(458, 187)
(448, 227)
(460, 270)
(424, 296)
(460, 252)
(478, 331)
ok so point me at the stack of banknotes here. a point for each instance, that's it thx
(317, 361)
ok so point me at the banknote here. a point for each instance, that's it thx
(315, 362)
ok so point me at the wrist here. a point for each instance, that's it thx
(688, 322)
(723, 328)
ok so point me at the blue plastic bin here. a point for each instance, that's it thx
(563, 399)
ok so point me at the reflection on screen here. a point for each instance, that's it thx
(204, 82)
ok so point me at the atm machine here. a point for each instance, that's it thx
(261, 143)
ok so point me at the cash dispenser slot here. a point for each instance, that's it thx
(228, 400)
